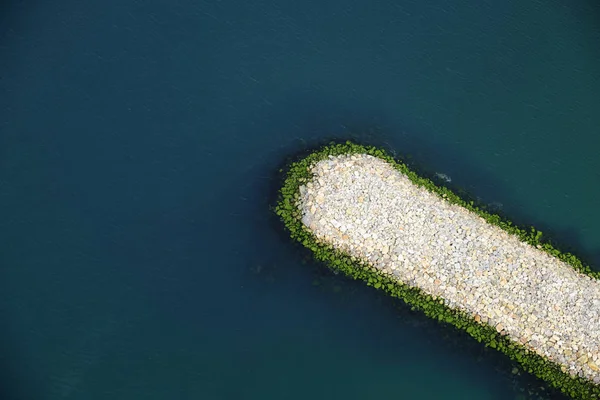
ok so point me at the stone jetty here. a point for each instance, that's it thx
(366, 208)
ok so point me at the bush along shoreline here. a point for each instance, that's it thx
(298, 173)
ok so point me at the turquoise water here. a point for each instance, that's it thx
(139, 145)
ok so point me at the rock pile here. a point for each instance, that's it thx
(360, 204)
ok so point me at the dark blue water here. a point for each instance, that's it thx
(139, 145)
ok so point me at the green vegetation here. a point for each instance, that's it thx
(298, 173)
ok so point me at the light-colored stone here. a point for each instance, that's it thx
(362, 206)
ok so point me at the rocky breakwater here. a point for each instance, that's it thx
(364, 207)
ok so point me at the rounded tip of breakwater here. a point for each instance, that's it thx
(369, 216)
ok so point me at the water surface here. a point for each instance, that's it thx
(139, 147)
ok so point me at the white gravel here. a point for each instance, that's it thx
(362, 205)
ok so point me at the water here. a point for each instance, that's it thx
(138, 150)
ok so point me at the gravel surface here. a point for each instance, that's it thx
(362, 205)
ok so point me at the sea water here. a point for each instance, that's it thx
(139, 150)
